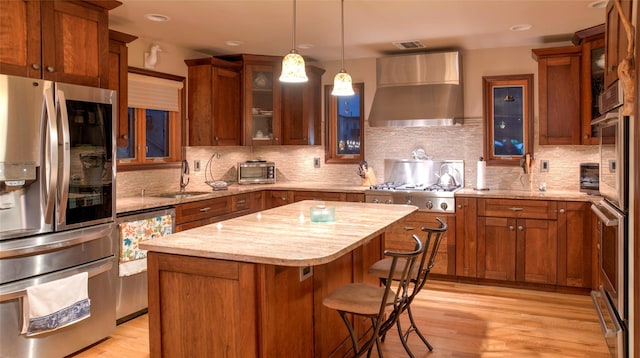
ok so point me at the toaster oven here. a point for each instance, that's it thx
(256, 172)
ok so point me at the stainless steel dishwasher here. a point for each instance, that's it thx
(133, 227)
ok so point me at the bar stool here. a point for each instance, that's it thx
(417, 279)
(370, 301)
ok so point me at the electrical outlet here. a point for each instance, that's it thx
(544, 166)
(196, 165)
(316, 162)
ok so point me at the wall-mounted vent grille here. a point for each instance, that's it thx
(407, 45)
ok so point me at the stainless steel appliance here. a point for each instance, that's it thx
(131, 291)
(56, 206)
(428, 184)
(611, 299)
(256, 172)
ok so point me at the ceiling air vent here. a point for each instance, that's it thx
(408, 45)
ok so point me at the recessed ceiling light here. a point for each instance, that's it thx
(521, 27)
(233, 43)
(305, 46)
(601, 4)
(157, 17)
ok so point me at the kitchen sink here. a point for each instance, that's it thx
(181, 194)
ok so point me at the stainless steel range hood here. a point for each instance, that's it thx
(418, 90)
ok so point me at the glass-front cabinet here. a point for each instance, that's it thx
(262, 105)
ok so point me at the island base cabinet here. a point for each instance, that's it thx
(201, 307)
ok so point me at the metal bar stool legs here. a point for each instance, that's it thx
(373, 302)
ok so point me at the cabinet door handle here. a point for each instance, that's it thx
(511, 227)
(241, 202)
(520, 228)
(561, 211)
(50, 69)
(515, 209)
(35, 66)
(204, 210)
(409, 228)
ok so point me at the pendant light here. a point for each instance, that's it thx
(293, 68)
(342, 84)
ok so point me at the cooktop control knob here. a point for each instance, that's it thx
(429, 205)
(443, 206)
(375, 201)
(389, 201)
(409, 201)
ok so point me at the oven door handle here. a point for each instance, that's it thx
(606, 331)
(34, 248)
(19, 289)
(607, 221)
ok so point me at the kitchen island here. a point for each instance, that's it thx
(253, 286)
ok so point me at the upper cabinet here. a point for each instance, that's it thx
(214, 106)
(65, 41)
(275, 113)
(616, 40)
(570, 78)
(118, 69)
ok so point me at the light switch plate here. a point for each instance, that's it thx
(316, 162)
(544, 166)
(196, 165)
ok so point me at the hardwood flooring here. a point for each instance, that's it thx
(459, 320)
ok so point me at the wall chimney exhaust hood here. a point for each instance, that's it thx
(418, 90)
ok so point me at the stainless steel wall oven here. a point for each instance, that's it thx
(611, 299)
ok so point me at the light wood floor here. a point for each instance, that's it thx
(459, 320)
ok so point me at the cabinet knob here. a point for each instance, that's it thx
(459, 206)
(35, 66)
(561, 211)
(50, 69)
(283, 198)
(586, 136)
(217, 138)
(520, 228)
(511, 227)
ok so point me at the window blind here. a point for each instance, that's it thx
(154, 93)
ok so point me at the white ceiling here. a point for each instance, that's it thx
(265, 26)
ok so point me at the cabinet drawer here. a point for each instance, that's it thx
(319, 195)
(203, 209)
(511, 208)
(241, 202)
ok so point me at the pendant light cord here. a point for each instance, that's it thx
(293, 40)
(342, 30)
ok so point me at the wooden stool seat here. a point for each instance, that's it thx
(358, 298)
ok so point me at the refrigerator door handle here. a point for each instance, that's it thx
(63, 188)
(51, 153)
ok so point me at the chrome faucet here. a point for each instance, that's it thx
(184, 175)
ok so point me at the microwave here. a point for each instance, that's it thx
(256, 172)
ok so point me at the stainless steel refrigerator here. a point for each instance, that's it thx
(57, 209)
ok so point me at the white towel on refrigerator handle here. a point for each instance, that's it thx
(56, 304)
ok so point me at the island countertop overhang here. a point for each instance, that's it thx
(284, 236)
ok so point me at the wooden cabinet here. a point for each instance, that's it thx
(301, 104)
(616, 41)
(466, 237)
(277, 113)
(559, 94)
(208, 211)
(117, 80)
(398, 237)
(569, 81)
(275, 198)
(214, 106)
(65, 41)
(319, 195)
(575, 244)
(518, 240)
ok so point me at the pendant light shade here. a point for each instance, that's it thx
(342, 84)
(293, 68)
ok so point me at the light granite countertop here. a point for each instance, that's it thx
(568, 195)
(148, 201)
(284, 235)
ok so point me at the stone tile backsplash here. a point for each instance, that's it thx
(295, 163)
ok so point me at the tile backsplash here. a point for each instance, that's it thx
(295, 163)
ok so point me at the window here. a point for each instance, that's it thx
(508, 116)
(154, 119)
(345, 126)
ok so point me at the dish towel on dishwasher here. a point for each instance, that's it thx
(56, 304)
(133, 260)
